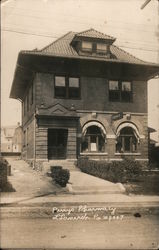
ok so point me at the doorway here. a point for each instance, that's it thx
(57, 143)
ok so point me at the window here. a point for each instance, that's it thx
(86, 46)
(120, 91)
(74, 90)
(101, 47)
(126, 141)
(67, 87)
(93, 140)
(114, 93)
(60, 86)
(126, 91)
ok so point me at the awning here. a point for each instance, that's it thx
(93, 123)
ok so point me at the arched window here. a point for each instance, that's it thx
(93, 140)
(127, 140)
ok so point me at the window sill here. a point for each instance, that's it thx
(68, 98)
(94, 153)
(127, 153)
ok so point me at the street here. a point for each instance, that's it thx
(129, 233)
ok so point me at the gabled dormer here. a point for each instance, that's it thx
(92, 42)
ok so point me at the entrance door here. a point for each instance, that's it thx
(57, 143)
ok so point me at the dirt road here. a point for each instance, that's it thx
(130, 233)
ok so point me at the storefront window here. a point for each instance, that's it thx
(93, 140)
(126, 141)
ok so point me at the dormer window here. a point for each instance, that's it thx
(86, 46)
(101, 47)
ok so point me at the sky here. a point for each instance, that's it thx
(30, 24)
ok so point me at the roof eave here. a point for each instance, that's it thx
(38, 53)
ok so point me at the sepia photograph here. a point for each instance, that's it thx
(79, 147)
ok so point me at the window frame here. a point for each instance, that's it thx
(59, 97)
(87, 49)
(122, 139)
(101, 51)
(67, 87)
(97, 136)
(120, 91)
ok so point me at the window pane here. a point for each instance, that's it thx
(126, 96)
(74, 93)
(74, 82)
(87, 45)
(113, 85)
(84, 146)
(114, 95)
(126, 86)
(60, 81)
(101, 144)
(101, 46)
(127, 144)
(60, 92)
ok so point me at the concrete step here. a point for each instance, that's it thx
(69, 164)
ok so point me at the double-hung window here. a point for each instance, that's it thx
(114, 91)
(73, 87)
(120, 91)
(60, 87)
(126, 92)
(67, 87)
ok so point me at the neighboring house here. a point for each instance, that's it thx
(7, 133)
(11, 139)
(17, 139)
(83, 96)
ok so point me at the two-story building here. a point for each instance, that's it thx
(83, 96)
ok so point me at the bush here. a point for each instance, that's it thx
(112, 171)
(133, 169)
(3, 172)
(61, 176)
(55, 170)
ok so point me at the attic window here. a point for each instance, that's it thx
(101, 47)
(86, 46)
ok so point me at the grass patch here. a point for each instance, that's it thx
(147, 184)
